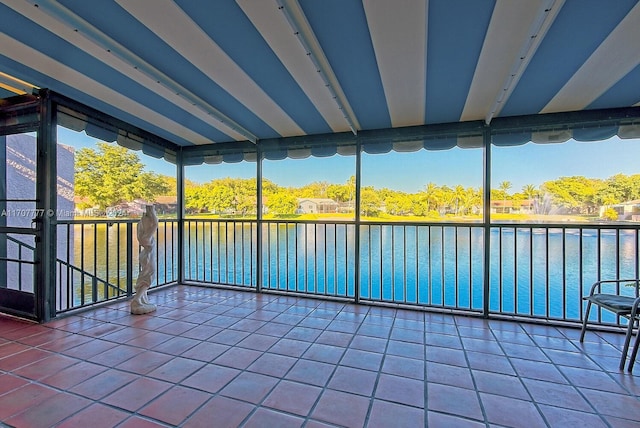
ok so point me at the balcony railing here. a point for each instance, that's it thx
(310, 258)
(544, 271)
(221, 252)
(98, 260)
(539, 271)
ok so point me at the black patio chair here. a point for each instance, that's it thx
(621, 305)
(634, 353)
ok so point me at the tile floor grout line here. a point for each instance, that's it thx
(326, 383)
(380, 367)
(569, 381)
(190, 304)
(245, 370)
(532, 400)
(473, 379)
(258, 405)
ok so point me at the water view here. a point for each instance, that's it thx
(421, 240)
(536, 272)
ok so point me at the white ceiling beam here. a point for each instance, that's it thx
(616, 56)
(170, 23)
(399, 35)
(515, 32)
(44, 64)
(15, 85)
(274, 28)
(65, 23)
(303, 31)
(544, 19)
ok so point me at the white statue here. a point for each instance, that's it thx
(147, 239)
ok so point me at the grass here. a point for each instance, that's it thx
(382, 217)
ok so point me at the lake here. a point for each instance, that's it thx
(533, 271)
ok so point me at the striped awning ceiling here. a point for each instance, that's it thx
(200, 72)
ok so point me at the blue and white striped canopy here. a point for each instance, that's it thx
(201, 72)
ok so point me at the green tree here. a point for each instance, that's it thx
(505, 186)
(339, 192)
(316, 189)
(244, 194)
(470, 201)
(501, 193)
(618, 188)
(195, 198)
(575, 193)
(610, 214)
(419, 205)
(430, 195)
(282, 203)
(444, 198)
(220, 197)
(111, 174)
(397, 203)
(369, 201)
(529, 191)
(459, 194)
(351, 186)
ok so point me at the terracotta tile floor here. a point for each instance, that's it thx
(216, 358)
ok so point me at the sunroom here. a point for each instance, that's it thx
(450, 166)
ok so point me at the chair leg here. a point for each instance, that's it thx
(627, 341)
(634, 352)
(584, 322)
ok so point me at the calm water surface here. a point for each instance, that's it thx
(531, 272)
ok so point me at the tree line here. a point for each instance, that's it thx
(110, 174)
(576, 195)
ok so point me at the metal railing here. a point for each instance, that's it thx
(434, 265)
(20, 265)
(309, 257)
(97, 259)
(543, 271)
(537, 271)
(221, 252)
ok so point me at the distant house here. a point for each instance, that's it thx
(317, 206)
(135, 208)
(166, 204)
(629, 210)
(509, 206)
(346, 207)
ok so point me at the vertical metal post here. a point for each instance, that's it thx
(356, 274)
(94, 289)
(180, 214)
(259, 219)
(3, 207)
(486, 136)
(46, 205)
(129, 263)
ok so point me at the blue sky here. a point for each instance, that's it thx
(527, 164)
(410, 172)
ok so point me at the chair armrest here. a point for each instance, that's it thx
(598, 284)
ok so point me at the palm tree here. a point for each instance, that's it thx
(429, 193)
(351, 186)
(472, 200)
(504, 186)
(458, 195)
(529, 191)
